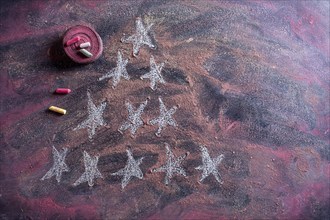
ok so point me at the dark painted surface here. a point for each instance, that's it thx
(251, 79)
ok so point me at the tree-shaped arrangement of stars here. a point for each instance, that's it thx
(173, 165)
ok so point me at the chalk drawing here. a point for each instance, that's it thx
(165, 117)
(94, 119)
(91, 171)
(117, 72)
(154, 74)
(59, 165)
(140, 37)
(130, 170)
(172, 165)
(210, 165)
(134, 118)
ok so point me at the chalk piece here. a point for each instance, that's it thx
(85, 45)
(72, 41)
(86, 53)
(86, 34)
(57, 109)
(63, 90)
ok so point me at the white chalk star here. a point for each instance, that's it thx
(118, 71)
(140, 38)
(134, 118)
(165, 117)
(172, 165)
(59, 165)
(154, 73)
(210, 165)
(91, 171)
(95, 118)
(130, 170)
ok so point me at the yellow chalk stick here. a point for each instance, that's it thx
(57, 109)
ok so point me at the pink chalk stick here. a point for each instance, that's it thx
(63, 90)
(72, 41)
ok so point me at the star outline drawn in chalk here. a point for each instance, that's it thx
(131, 169)
(59, 165)
(134, 120)
(210, 165)
(154, 74)
(172, 165)
(164, 118)
(91, 171)
(117, 72)
(140, 37)
(94, 119)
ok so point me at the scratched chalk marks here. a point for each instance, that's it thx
(94, 118)
(165, 117)
(131, 169)
(140, 38)
(154, 74)
(117, 72)
(59, 165)
(172, 165)
(134, 120)
(209, 165)
(91, 171)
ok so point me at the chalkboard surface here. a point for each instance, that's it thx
(195, 110)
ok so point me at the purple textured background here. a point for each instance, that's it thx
(251, 79)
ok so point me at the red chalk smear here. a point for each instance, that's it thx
(17, 18)
(199, 214)
(294, 205)
(45, 207)
(16, 114)
(31, 163)
(177, 211)
(283, 154)
(309, 29)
